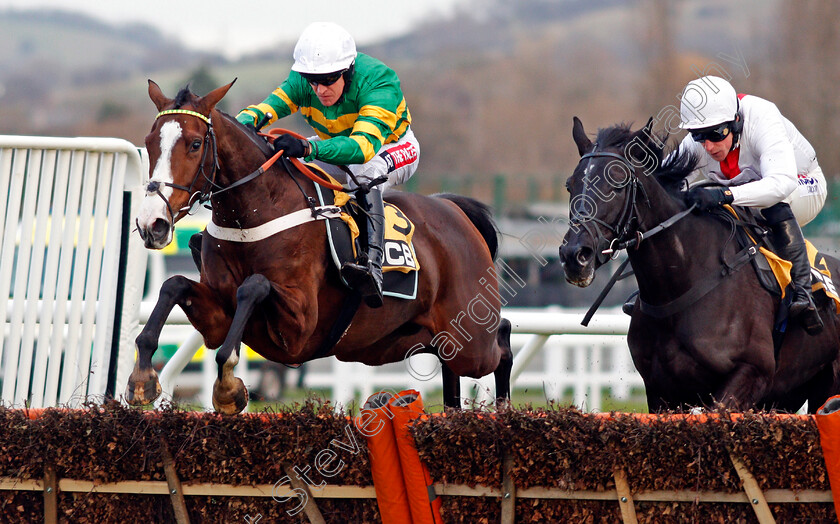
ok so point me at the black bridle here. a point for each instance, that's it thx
(625, 231)
(624, 228)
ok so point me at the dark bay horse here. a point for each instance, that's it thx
(281, 294)
(715, 348)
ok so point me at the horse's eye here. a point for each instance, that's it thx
(196, 145)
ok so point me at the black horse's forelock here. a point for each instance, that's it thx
(183, 97)
(617, 136)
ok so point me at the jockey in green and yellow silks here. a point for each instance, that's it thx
(356, 107)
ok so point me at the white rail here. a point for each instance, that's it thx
(64, 241)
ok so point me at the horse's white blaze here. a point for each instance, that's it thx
(153, 206)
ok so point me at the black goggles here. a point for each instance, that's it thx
(326, 80)
(712, 134)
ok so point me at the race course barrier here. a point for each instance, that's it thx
(71, 273)
(111, 464)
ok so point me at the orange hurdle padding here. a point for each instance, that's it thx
(375, 424)
(425, 505)
(828, 422)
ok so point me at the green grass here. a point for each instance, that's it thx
(433, 401)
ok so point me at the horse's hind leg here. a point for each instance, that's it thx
(229, 393)
(502, 372)
(451, 387)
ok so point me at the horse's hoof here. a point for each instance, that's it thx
(230, 399)
(143, 388)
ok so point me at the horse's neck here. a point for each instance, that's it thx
(668, 263)
(263, 198)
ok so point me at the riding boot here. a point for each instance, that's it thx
(791, 245)
(365, 276)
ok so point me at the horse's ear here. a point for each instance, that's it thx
(649, 138)
(648, 129)
(213, 97)
(583, 143)
(157, 96)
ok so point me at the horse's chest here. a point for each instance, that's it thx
(665, 358)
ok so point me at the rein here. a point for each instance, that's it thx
(210, 187)
(273, 133)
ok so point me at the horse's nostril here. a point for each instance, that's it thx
(160, 228)
(583, 255)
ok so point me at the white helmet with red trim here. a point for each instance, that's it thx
(323, 48)
(706, 102)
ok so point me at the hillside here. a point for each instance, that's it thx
(492, 91)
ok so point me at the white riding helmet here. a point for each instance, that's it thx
(706, 102)
(323, 48)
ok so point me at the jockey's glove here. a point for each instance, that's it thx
(709, 197)
(292, 147)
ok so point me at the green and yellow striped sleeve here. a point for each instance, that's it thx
(278, 104)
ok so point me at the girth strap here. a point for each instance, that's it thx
(272, 227)
(341, 324)
(700, 289)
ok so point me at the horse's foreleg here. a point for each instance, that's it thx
(229, 393)
(451, 387)
(502, 372)
(744, 387)
(143, 385)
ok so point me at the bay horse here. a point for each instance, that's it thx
(281, 295)
(699, 346)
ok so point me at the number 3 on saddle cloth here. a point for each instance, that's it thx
(400, 266)
(774, 272)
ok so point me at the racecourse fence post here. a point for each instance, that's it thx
(753, 491)
(176, 492)
(625, 497)
(508, 491)
(50, 495)
(310, 509)
(499, 194)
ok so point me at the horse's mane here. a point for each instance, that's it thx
(185, 96)
(672, 166)
(251, 132)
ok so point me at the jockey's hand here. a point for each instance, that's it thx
(709, 197)
(292, 147)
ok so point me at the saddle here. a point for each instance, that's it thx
(774, 272)
(400, 266)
